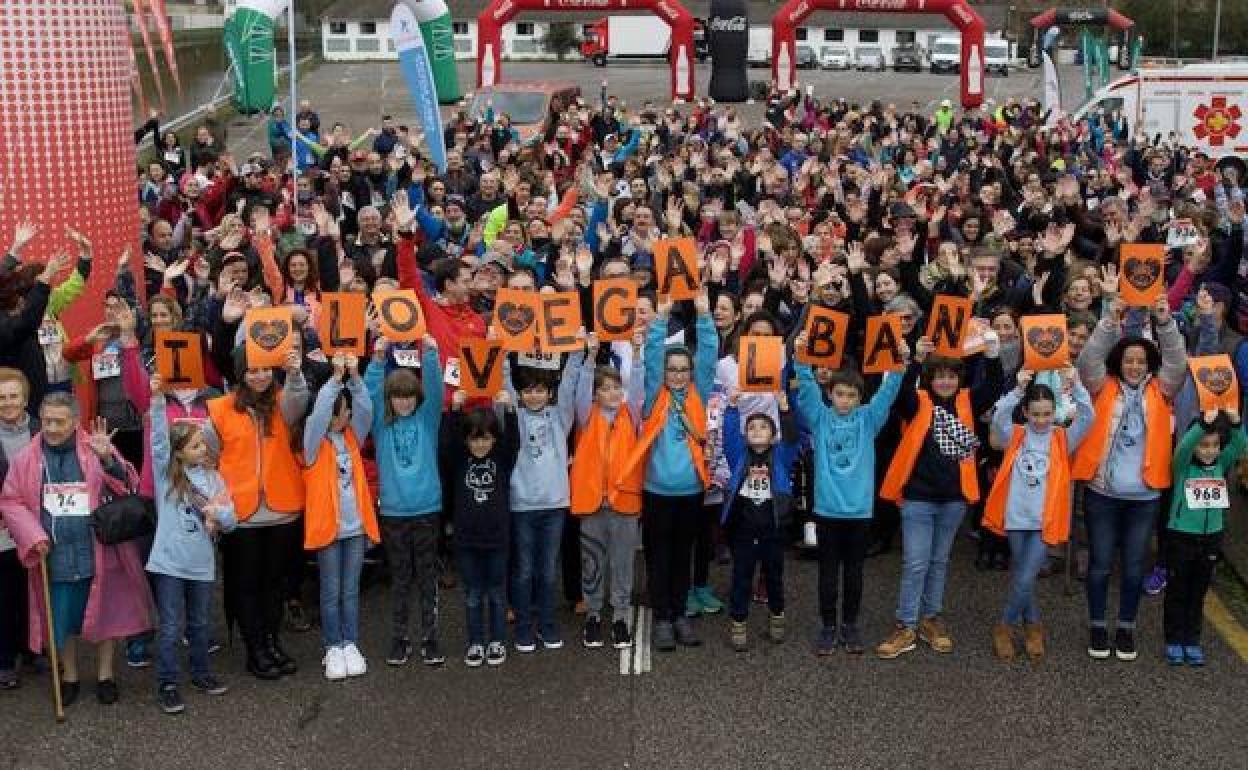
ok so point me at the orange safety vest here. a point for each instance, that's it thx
(695, 432)
(1158, 441)
(912, 438)
(320, 521)
(597, 474)
(250, 461)
(1055, 518)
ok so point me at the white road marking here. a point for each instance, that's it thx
(648, 615)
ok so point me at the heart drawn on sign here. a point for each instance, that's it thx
(1217, 379)
(1142, 273)
(515, 318)
(1046, 340)
(269, 334)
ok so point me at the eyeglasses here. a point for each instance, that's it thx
(679, 369)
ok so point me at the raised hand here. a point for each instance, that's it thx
(100, 439)
(22, 235)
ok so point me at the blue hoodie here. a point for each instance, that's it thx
(669, 470)
(844, 446)
(407, 449)
(784, 454)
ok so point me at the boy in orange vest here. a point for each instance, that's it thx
(606, 499)
(1030, 499)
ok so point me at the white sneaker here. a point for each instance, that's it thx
(475, 656)
(810, 536)
(356, 665)
(335, 664)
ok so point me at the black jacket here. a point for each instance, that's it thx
(19, 343)
(481, 488)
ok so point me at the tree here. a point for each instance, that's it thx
(560, 38)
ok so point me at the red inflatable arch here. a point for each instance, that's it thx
(499, 12)
(960, 14)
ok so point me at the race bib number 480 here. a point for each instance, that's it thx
(1203, 494)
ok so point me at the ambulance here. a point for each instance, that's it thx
(1204, 106)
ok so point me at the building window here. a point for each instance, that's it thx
(459, 28)
(906, 36)
(868, 36)
(368, 28)
(524, 46)
(337, 28)
(801, 33)
(463, 46)
(364, 45)
(834, 36)
(524, 29)
(333, 45)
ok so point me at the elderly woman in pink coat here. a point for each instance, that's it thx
(99, 593)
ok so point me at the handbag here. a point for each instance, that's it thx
(124, 518)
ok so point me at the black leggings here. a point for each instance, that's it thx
(842, 549)
(13, 588)
(256, 563)
(670, 527)
(704, 543)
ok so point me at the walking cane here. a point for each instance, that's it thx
(51, 641)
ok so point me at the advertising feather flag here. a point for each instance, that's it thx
(417, 73)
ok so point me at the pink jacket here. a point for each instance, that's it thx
(120, 603)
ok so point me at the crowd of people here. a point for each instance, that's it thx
(648, 443)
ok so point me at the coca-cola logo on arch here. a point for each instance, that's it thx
(729, 24)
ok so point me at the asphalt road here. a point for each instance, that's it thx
(359, 93)
(774, 706)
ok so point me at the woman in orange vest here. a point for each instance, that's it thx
(252, 428)
(606, 500)
(340, 522)
(1030, 500)
(932, 477)
(671, 449)
(1125, 459)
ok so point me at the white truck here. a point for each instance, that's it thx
(759, 50)
(1201, 105)
(946, 55)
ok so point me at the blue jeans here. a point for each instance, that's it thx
(537, 535)
(178, 600)
(1027, 555)
(484, 572)
(340, 563)
(1116, 525)
(927, 532)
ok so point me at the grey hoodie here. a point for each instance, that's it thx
(540, 479)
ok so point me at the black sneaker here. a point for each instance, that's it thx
(106, 692)
(400, 652)
(591, 635)
(69, 693)
(431, 653)
(621, 638)
(170, 701)
(210, 685)
(1124, 644)
(1098, 642)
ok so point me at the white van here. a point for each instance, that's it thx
(1202, 105)
(946, 55)
(997, 57)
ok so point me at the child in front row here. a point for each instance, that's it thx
(405, 440)
(843, 431)
(758, 506)
(1031, 496)
(481, 450)
(1194, 538)
(192, 505)
(339, 522)
(605, 496)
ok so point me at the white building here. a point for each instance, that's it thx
(359, 30)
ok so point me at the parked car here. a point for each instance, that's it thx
(526, 102)
(806, 59)
(836, 57)
(869, 57)
(907, 56)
